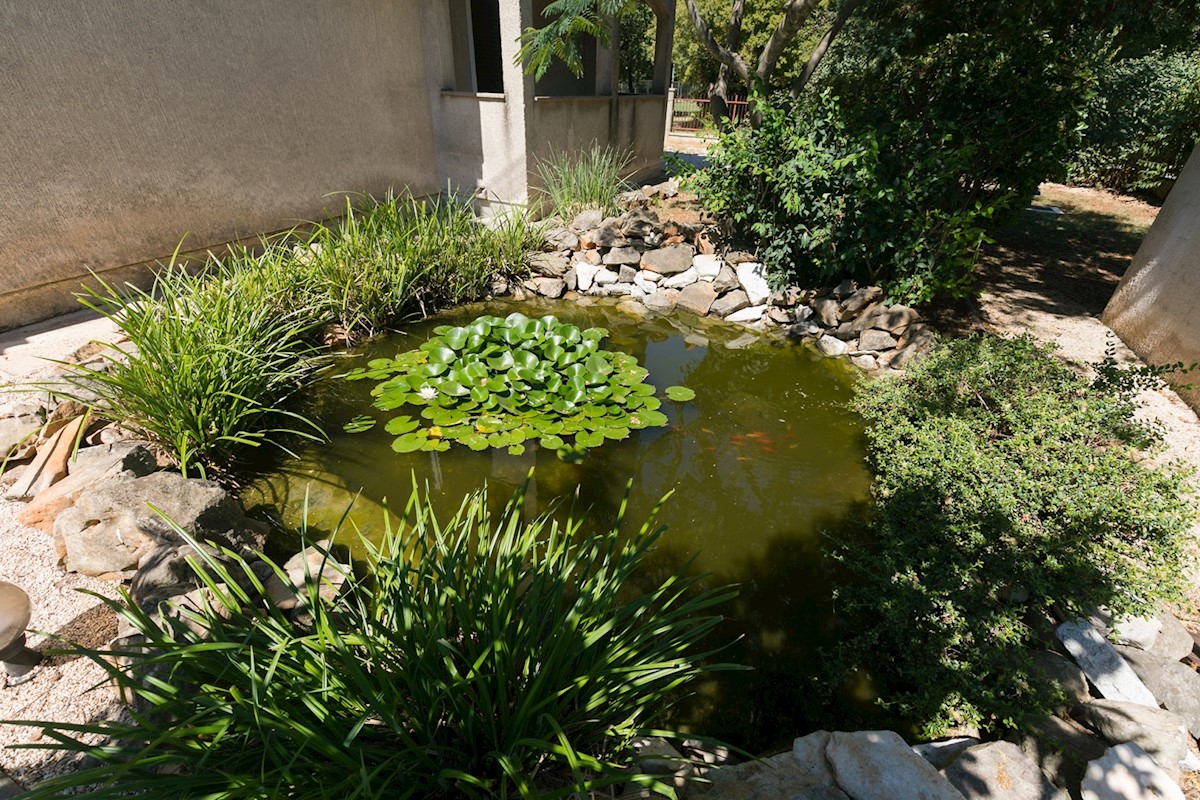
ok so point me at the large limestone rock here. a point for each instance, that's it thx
(90, 467)
(832, 346)
(1175, 685)
(1173, 640)
(1062, 747)
(111, 527)
(730, 302)
(698, 298)
(1107, 671)
(550, 265)
(19, 424)
(1160, 733)
(780, 777)
(1126, 772)
(826, 311)
(1065, 674)
(663, 301)
(1000, 771)
(753, 278)
(881, 766)
(669, 260)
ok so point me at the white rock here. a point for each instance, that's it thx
(643, 284)
(749, 314)
(1126, 772)
(1105, 668)
(753, 278)
(605, 276)
(637, 291)
(832, 346)
(707, 267)
(585, 274)
(685, 278)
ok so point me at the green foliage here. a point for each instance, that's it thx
(1000, 473)
(820, 200)
(399, 256)
(566, 22)
(485, 657)
(636, 48)
(218, 360)
(210, 365)
(696, 68)
(503, 382)
(1143, 121)
(589, 178)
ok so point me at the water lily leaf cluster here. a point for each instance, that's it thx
(505, 382)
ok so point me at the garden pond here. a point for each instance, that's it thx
(764, 461)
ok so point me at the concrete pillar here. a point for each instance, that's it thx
(1156, 308)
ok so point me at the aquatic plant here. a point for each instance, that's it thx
(488, 657)
(501, 382)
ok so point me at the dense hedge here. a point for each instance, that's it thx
(1009, 491)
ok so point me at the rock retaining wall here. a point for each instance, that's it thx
(651, 265)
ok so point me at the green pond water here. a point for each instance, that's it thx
(762, 462)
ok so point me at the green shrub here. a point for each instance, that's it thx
(591, 178)
(1000, 474)
(211, 365)
(482, 657)
(1143, 121)
(820, 202)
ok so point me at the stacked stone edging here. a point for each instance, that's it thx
(654, 266)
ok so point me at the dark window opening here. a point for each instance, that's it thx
(485, 36)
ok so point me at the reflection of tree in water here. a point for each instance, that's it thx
(764, 458)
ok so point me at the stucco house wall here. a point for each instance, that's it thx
(1156, 307)
(128, 125)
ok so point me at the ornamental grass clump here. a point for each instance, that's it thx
(1010, 493)
(590, 178)
(481, 657)
(212, 364)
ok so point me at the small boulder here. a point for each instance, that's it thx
(90, 467)
(780, 316)
(549, 287)
(1107, 671)
(697, 298)
(605, 276)
(897, 318)
(880, 765)
(861, 299)
(1065, 674)
(865, 362)
(826, 311)
(729, 303)
(682, 279)
(726, 279)
(747, 315)
(627, 274)
(707, 267)
(941, 752)
(1173, 640)
(669, 260)
(1160, 733)
(999, 771)
(753, 278)
(313, 568)
(552, 265)
(1126, 772)
(868, 317)
(832, 346)
(587, 220)
(561, 239)
(662, 301)
(19, 425)
(585, 274)
(1175, 686)
(622, 255)
(873, 339)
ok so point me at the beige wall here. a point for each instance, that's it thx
(127, 124)
(1156, 308)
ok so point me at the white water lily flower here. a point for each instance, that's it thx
(427, 391)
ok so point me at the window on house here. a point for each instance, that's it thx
(485, 43)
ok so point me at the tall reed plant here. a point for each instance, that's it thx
(212, 363)
(589, 178)
(484, 657)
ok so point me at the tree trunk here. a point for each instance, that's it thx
(718, 93)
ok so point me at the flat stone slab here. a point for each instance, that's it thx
(880, 765)
(1000, 771)
(1104, 667)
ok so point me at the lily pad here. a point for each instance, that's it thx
(680, 393)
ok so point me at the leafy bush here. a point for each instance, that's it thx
(591, 178)
(1007, 489)
(211, 363)
(500, 382)
(821, 202)
(484, 657)
(1143, 121)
